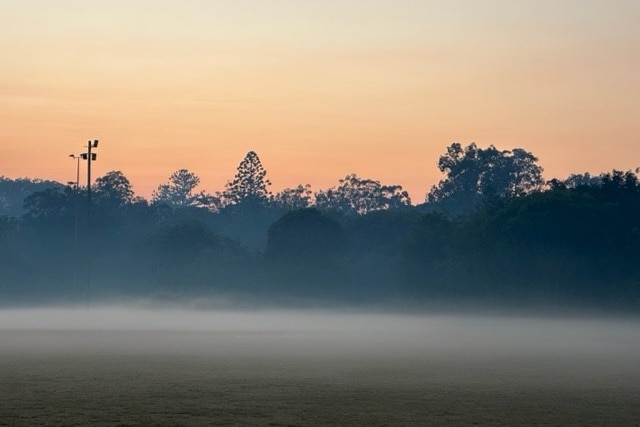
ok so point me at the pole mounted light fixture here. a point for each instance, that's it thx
(89, 157)
(77, 159)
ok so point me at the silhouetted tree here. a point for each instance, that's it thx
(51, 208)
(247, 210)
(578, 241)
(14, 191)
(359, 196)
(428, 258)
(619, 183)
(250, 183)
(375, 247)
(294, 198)
(474, 174)
(306, 253)
(112, 197)
(578, 179)
(9, 255)
(192, 257)
(577, 245)
(179, 192)
(47, 235)
(113, 189)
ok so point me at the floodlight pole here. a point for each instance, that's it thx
(76, 196)
(88, 180)
(89, 157)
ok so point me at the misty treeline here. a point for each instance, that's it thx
(492, 230)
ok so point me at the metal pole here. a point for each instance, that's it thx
(88, 248)
(76, 196)
(77, 173)
(89, 157)
(89, 179)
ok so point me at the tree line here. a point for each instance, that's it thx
(492, 230)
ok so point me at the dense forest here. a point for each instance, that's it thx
(492, 231)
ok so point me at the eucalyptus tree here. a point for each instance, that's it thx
(294, 198)
(474, 174)
(306, 254)
(179, 192)
(356, 195)
(113, 188)
(13, 192)
(581, 179)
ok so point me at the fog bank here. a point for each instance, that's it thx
(459, 334)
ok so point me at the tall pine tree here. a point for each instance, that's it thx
(250, 183)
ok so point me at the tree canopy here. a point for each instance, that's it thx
(250, 183)
(294, 198)
(356, 195)
(474, 174)
(572, 241)
(179, 192)
(306, 250)
(114, 188)
(14, 191)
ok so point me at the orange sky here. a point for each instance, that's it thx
(317, 89)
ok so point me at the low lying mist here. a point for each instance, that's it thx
(459, 334)
(173, 366)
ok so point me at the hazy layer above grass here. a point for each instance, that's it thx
(114, 366)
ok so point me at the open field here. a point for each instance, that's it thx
(348, 370)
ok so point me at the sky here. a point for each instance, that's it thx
(319, 89)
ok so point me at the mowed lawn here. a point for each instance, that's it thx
(298, 378)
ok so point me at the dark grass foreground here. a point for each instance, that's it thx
(314, 379)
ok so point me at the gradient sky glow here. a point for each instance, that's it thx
(318, 89)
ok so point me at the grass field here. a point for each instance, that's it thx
(422, 371)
